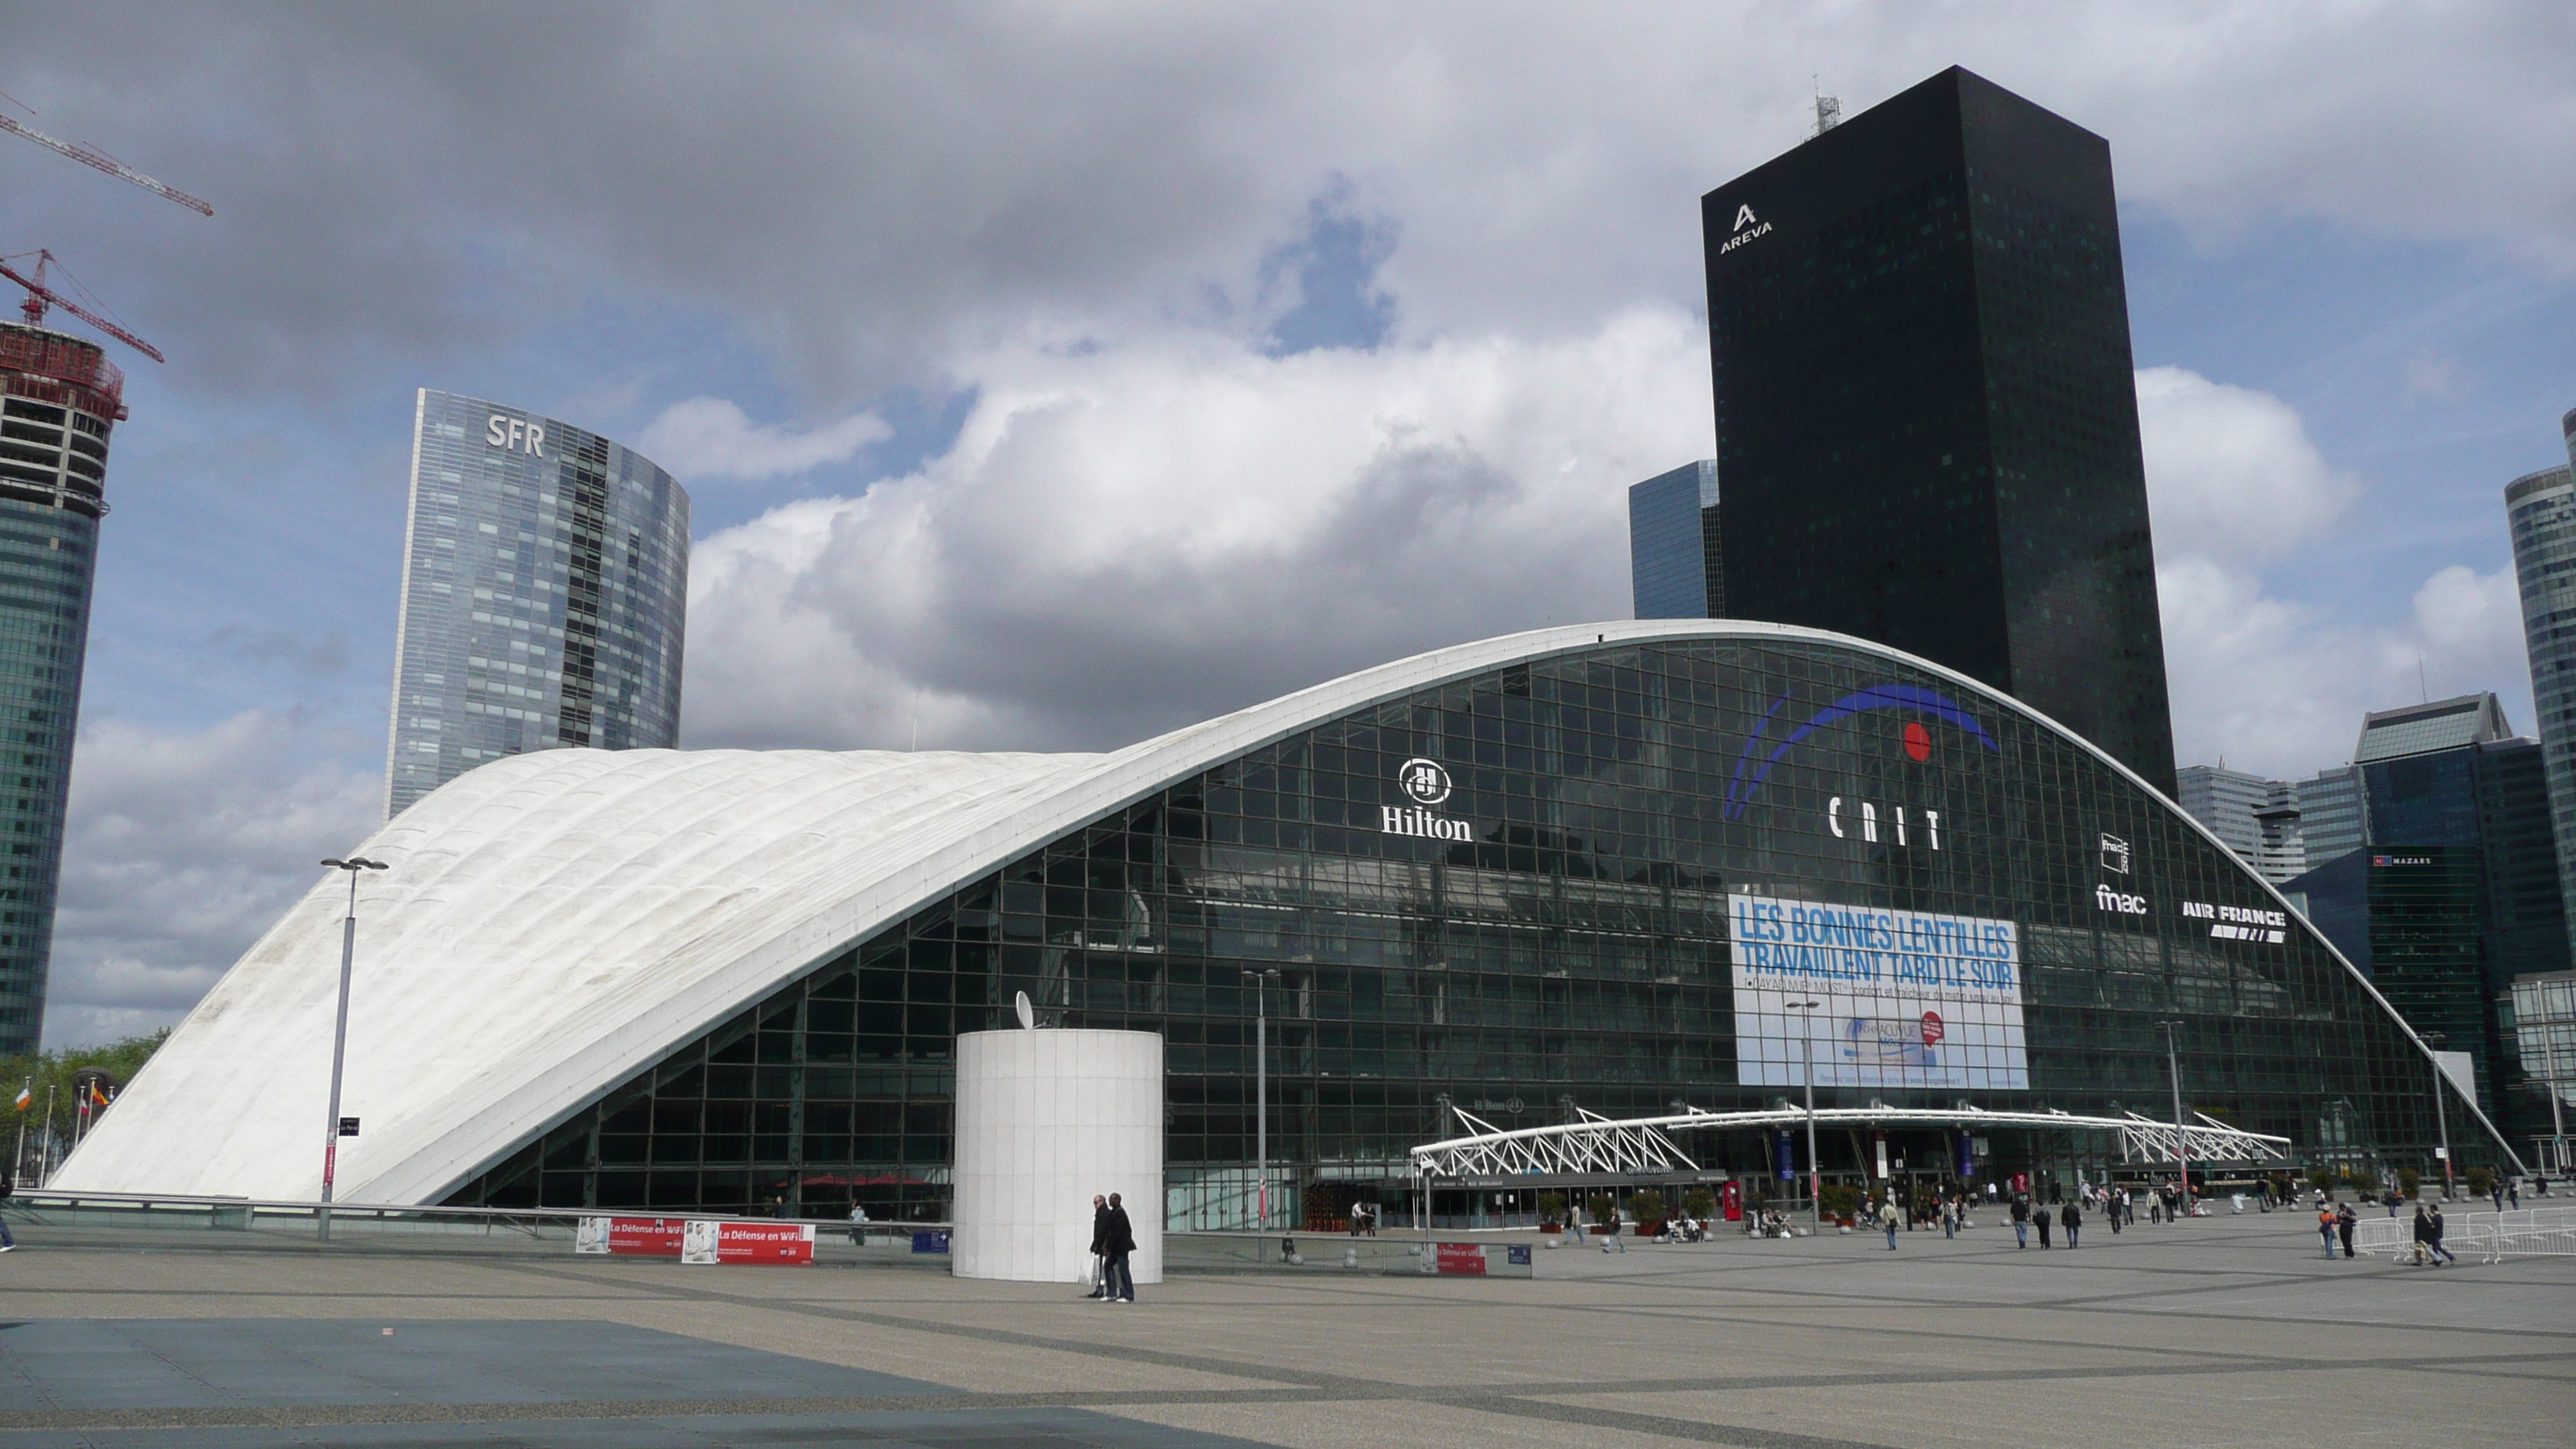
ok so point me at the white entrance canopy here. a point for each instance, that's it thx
(1595, 1145)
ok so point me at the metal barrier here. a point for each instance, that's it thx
(117, 1219)
(2495, 1236)
(2532, 1230)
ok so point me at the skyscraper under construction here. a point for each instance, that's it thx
(59, 398)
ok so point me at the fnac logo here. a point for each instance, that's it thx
(1916, 739)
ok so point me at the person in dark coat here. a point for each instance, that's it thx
(1120, 1240)
(2039, 1218)
(2020, 1221)
(2071, 1220)
(2345, 1221)
(1099, 1246)
(2424, 1239)
(2441, 1254)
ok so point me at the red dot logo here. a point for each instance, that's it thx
(1918, 742)
(1933, 1030)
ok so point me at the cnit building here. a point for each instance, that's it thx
(706, 979)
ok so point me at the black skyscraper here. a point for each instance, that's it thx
(1927, 431)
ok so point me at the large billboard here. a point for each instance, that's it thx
(1904, 999)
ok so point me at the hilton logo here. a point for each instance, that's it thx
(1746, 229)
(1426, 783)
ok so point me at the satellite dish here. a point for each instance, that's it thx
(1028, 1018)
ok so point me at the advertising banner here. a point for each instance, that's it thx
(635, 1237)
(722, 1242)
(1462, 1258)
(1906, 999)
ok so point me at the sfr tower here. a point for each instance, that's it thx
(1927, 425)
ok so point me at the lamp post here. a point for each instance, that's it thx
(340, 1035)
(1807, 1070)
(2441, 1113)
(1261, 1087)
(2173, 1074)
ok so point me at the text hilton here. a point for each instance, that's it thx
(1404, 820)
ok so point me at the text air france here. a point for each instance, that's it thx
(1781, 943)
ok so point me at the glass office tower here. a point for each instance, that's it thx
(1926, 416)
(545, 595)
(1672, 544)
(2541, 508)
(59, 398)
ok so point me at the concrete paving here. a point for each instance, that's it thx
(2206, 1332)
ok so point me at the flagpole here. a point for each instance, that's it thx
(48, 1175)
(26, 1097)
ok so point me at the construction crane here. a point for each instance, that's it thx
(39, 296)
(92, 156)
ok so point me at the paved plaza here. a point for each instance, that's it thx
(2217, 1332)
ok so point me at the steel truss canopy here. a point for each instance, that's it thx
(1594, 1145)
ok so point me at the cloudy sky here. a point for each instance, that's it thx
(1059, 374)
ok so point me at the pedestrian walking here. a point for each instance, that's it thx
(1099, 1247)
(2423, 1238)
(2072, 1221)
(1121, 1242)
(2039, 1220)
(1887, 1219)
(2441, 1254)
(1949, 1217)
(2495, 1190)
(2021, 1222)
(8, 1187)
(2326, 1227)
(2346, 1219)
(2111, 1202)
(2512, 1187)
(858, 1226)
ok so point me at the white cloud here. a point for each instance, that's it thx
(907, 185)
(708, 437)
(2265, 682)
(2231, 472)
(1128, 537)
(180, 849)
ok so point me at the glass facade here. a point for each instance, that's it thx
(1584, 879)
(545, 595)
(59, 399)
(2541, 511)
(1926, 414)
(1672, 544)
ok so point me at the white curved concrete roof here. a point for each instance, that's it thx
(555, 922)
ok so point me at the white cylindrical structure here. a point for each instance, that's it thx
(1046, 1120)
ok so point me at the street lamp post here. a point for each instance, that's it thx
(2441, 1112)
(1807, 1070)
(2173, 1074)
(1261, 1087)
(340, 1035)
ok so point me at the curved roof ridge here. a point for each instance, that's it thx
(557, 922)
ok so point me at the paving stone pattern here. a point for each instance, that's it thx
(2197, 1333)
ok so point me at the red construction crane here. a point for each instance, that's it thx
(92, 156)
(38, 295)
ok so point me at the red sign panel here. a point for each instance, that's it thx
(721, 1242)
(1462, 1258)
(635, 1237)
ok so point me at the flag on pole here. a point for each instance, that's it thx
(26, 1094)
(96, 1096)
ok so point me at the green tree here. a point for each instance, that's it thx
(1699, 1202)
(44, 1072)
(1551, 1207)
(1648, 1207)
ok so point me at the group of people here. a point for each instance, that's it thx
(2335, 1222)
(1364, 1219)
(1113, 1237)
(2027, 1215)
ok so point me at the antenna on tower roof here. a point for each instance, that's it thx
(1829, 109)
